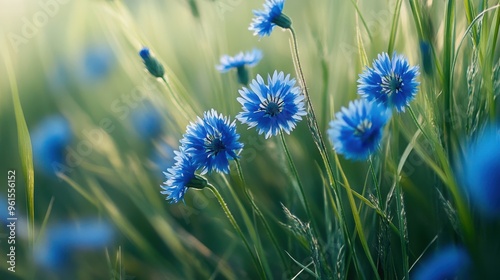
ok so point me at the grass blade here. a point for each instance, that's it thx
(24, 144)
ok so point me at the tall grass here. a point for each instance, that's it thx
(292, 208)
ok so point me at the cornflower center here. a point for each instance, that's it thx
(362, 127)
(214, 144)
(392, 84)
(272, 106)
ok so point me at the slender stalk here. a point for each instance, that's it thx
(375, 182)
(415, 120)
(394, 27)
(357, 220)
(24, 144)
(324, 70)
(243, 211)
(449, 48)
(311, 116)
(177, 102)
(402, 228)
(320, 143)
(230, 216)
(257, 211)
(401, 214)
(295, 173)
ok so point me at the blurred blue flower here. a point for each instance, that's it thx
(448, 263)
(163, 156)
(49, 140)
(179, 177)
(96, 63)
(147, 122)
(239, 60)
(152, 64)
(211, 142)
(357, 131)
(481, 176)
(63, 241)
(265, 20)
(427, 59)
(279, 105)
(144, 53)
(392, 82)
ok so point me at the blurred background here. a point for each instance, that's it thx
(111, 128)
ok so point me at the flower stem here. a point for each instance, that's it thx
(230, 216)
(295, 173)
(320, 143)
(311, 116)
(257, 211)
(176, 101)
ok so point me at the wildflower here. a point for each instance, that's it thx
(180, 177)
(240, 62)
(96, 63)
(152, 64)
(162, 157)
(212, 142)
(427, 60)
(49, 140)
(357, 131)
(391, 82)
(147, 122)
(63, 241)
(279, 105)
(449, 263)
(480, 172)
(265, 20)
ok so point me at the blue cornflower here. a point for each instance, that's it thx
(147, 122)
(180, 177)
(392, 82)
(153, 66)
(480, 172)
(357, 131)
(272, 107)
(63, 241)
(264, 21)
(212, 142)
(96, 63)
(449, 263)
(49, 140)
(240, 62)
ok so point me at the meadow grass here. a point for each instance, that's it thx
(290, 207)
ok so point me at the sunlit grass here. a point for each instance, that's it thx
(300, 210)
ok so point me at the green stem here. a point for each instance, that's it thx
(401, 215)
(311, 116)
(402, 228)
(357, 220)
(24, 144)
(394, 27)
(375, 182)
(324, 70)
(449, 48)
(226, 210)
(415, 120)
(318, 139)
(257, 211)
(177, 102)
(295, 173)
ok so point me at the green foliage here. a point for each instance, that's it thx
(290, 210)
